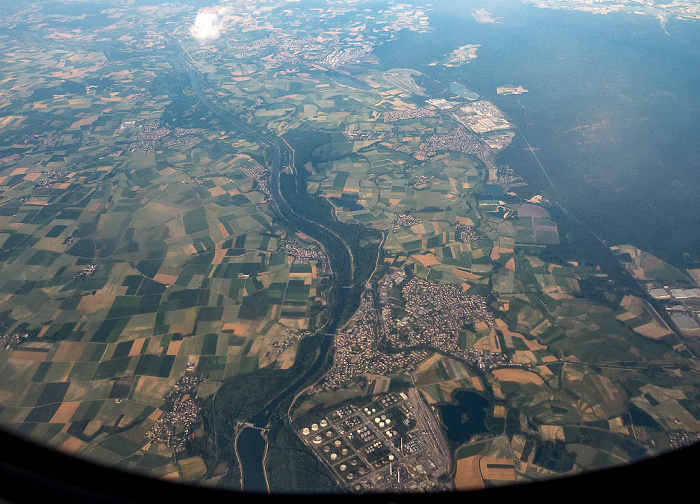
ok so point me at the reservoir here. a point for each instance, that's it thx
(465, 417)
(250, 445)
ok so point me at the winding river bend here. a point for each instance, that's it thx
(251, 444)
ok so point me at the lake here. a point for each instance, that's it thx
(613, 109)
(465, 417)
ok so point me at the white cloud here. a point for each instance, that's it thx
(208, 24)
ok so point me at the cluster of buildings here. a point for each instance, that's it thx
(387, 334)
(184, 138)
(354, 54)
(142, 95)
(248, 49)
(441, 103)
(431, 316)
(678, 294)
(10, 95)
(481, 117)
(682, 305)
(186, 385)
(50, 177)
(357, 350)
(184, 142)
(360, 135)
(289, 338)
(304, 253)
(281, 58)
(392, 444)
(152, 134)
(147, 139)
(8, 340)
(181, 132)
(50, 140)
(682, 439)
(405, 220)
(506, 175)
(467, 234)
(175, 427)
(458, 140)
(87, 271)
(261, 176)
(307, 44)
(423, 181)
(399, 115)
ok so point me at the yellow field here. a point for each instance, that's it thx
(68, 351)
(468, 475)
(652, 330)
(65, 412)
(238, 328)
(96, 302)
(497, 473)
(165, 279)
(174, 347)
(192, 468)
(71, 445)
(695, 274)
(428, 259)
(518, 376)
(136, 347)
(552, 432)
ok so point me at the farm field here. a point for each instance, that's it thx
(154, 297)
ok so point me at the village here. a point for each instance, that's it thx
(174, 428)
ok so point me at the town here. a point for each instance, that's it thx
(459, 140)
(289, 338)
(507, 176)
(357, 350)
(151, 135)
(387, 334)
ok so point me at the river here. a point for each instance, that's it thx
(250, 443)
